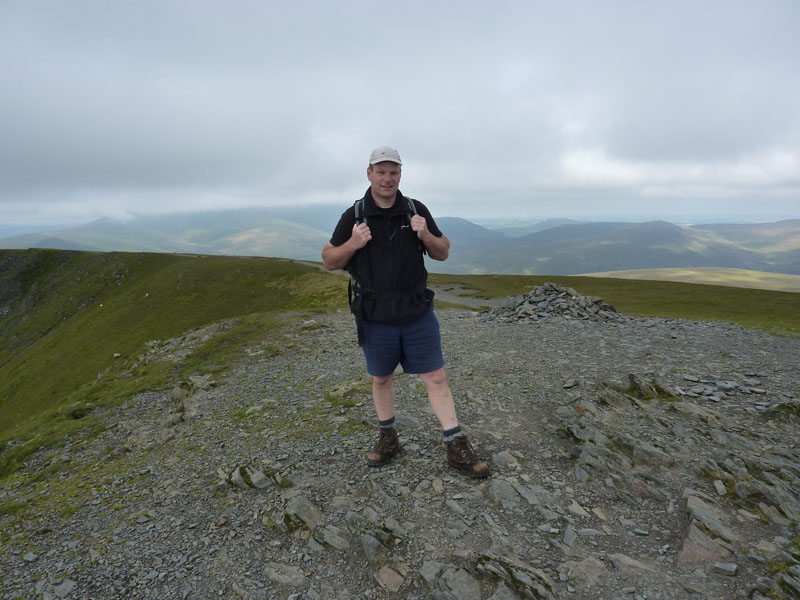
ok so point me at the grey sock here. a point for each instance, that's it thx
(452, 433)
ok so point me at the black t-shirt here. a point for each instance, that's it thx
(391, 266)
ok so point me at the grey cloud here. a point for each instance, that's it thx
(114, 108)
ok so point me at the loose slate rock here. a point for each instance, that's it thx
(284, 574)
(729, 569)
(500, 489)
(626, 564)
(709, 517)
(330, 536)
(389, 579)
(510, 569)
(458, 584)
(301, 511)
(505, 460)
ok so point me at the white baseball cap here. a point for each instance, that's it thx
(384, 153)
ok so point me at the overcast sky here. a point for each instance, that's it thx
(526, 108)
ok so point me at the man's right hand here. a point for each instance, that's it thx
(337, 257)
(361, 235)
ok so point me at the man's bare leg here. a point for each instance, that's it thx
(383, 396)
(388, 443)
(460, 454)
(441, 398)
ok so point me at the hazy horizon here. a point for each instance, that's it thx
(488, 222)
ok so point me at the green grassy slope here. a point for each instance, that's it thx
(66, 314)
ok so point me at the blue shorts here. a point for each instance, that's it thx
(416, 345)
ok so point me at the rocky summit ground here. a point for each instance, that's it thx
(635, 459)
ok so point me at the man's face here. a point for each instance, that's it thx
(385, 179)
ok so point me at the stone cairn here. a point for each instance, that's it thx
(552, 300)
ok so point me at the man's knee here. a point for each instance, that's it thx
(382, 381)
(434, 378)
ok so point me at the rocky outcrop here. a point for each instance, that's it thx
(632, 458)
(552, 300)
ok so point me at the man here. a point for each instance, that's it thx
(383, 249)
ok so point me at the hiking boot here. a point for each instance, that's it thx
(461, 456)
(388, 445)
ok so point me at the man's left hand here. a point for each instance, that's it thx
(420, 225)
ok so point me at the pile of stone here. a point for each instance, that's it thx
(551, 300)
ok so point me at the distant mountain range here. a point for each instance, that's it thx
(553, 247)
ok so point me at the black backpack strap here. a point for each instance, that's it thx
(411, 205)
(413, 208)
(355, 292)
(358, 206)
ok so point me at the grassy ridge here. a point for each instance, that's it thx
(74, 311)
(777, 312)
